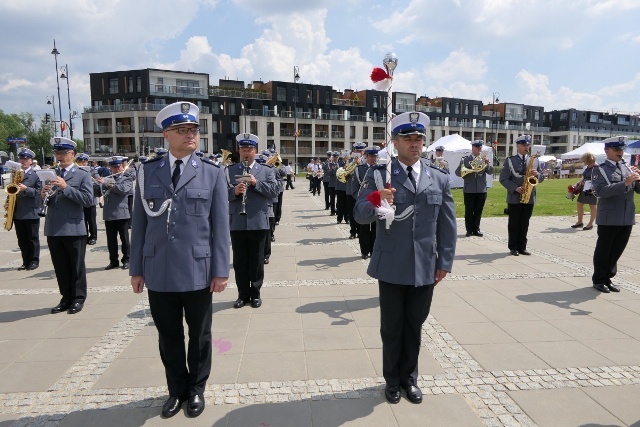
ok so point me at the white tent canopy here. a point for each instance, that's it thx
(455, 148)
(571, 160)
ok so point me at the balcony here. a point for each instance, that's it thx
(428, 109)
(379, 136)
(230, 93)
(350, 102)
(177, 91)
(103, 129)
(322, 134)
(123, 128)
(337, 134)
(125, 149)
(404, 108)
(132, 107)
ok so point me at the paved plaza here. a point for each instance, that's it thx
(510, 340)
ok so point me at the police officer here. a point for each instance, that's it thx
(439, 161)
(614, 183)
(512, 178)
(325, 179)
(475, 189)
(366, 231)
(408, 260)
(249, 197)
(25, 216)
(90, 215)
(180, 251)
(332, 168)
(64, 225)
(352, 190)
(341, 196)
(115, 213)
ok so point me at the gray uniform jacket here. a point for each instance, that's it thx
(196, 246)
(116, 204)
(511, 178)
(26, 205)
(325, 169)
(331, 173)
(615, 200)
(423, 242)
(65, 214)
(475, 182)
(358, 178)
(258, 198)
(280, 174)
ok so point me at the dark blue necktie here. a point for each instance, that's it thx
(62, 172)
(175, 177)
(411, 178)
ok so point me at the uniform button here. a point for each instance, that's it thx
(173, 223)
(175, 194)
(207, 253)
(175, 209)
(171, 238)
(198, 194)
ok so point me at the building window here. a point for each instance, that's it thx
(466, 109)
(365, 133)
(113, 86)
(232, 108)
(295, 94)
(536, 115)
(447, 108)
(309, 95)
(282, 94)
(204, 145)
(563, 116)
(456, 108)
(203, 126)
(270, 129)
(188, 87)
(375, 104)
(214, 127)
(253, 127)
(476, 109)
(139, 84)
(234, 127)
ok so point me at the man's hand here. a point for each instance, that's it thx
(60, 182)
(534, 173)
(630, 179)
(137, 283)
(520, 190)
(253, 181)
(22, 187)
(218, 284)
(440, 274)
(240, 188)
(387, 194)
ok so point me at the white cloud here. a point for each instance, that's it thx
(458, 65)
(604, 7)
(537, 91)
(8, 83)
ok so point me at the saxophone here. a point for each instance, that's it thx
(12, 191)
(529, 182)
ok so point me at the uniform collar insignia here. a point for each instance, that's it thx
(162, 164)
(194, 163)
(396, 172)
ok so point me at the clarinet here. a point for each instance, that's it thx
(52, 191)
(244, 195)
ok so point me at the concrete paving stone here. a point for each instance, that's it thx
(32, 376)
(626, 325)
(368, 317)
(632, 305)
(478, 333)
(586, 328)
(553, 309)
(358, 289)
(83, 328)
(273, 341)
(319, 291)
(213, 415)
(32, 301)
(229, 341)
(139, 372)
(549, 285)
(508, 285)
(461, 314)
(448, 299)
(276, 305)
(533, 331)
(142, 346)
(278, 292)
(58, 349)
(123, 417)
(505, 312)
(427, 364)
(352, 412)
(508, 356)
(13, 349)
(332, 339)
(563, 407)
(620, 401)
(285, 414)
(224, 368)
(486, 297)
(98, 310)
(327, 319)
(441, 410)
(274, 321)
(227, 320)
(272, 366)
(117, 298)
(33, 328)
(625, 352)
(564, 354)
(462, 287)
(339, 364)
(323, 305)
(370, 336)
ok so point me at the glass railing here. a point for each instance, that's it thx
(172, 90)
(351, 102)
(123, 129)
(133, 107)
(214, 91)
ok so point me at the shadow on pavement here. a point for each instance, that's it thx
(327, 263)
(564, 299)
(14, 316)
(482, 259)
(337, 309)
(320, 241)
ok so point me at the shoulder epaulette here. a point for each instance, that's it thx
(379, 166)
(209, 162)
(155, 159)
(438, 169)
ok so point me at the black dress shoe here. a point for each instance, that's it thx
(468, 234)
(256, 303)
(414, 394)
(514, 253)
(32, 266)
(613, 288)
(60, 308)
(92, 241)
(125, 265)
(266, 260)
(273, 238)
(76, 307)
(172, 406)
(195, 405)
(239, 303)
(478, 233)
(392, 394)
(112, 266)
(525, 252)
(601, 287)
(22, 267)
(365, 256)
(353, 236)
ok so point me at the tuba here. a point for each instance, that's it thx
(226, 158)
(12, 191)
(275, 161)
(477, 165)
(529, 182)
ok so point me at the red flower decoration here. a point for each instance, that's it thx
(374, 198)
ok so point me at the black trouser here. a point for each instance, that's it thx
(289, 183)
(403, 310)
(353, 225)
(317, 186)
(27, 232)
(270, 234)
(130, 203)
(186, 374)
(341, 205)
(115, 228)
(311, 185)
(473, 206)
(248, 262)
(332, 200)
(519, 215)
(367, 237)
(325, 184)
(612, 240)
(67, 256)
(90, 222)
(277, 208)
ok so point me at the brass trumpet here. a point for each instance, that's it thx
(12, 191)
(275, 161)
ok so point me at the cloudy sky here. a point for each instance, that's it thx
(557, 54)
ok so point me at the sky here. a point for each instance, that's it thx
(553, 53)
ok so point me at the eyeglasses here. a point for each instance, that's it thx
(184, 131)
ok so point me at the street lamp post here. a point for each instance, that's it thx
(494, 142)
(55, 54)
(65, 76)
(296, 77)
(51, 100)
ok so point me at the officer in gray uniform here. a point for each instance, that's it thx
(615, 184)
(90, 214)
(352, 190)
(440, 164)
(367, 231)
(115, 213)
(249, 198)
(413, 255)
(512, 178)
(325, 179)
(180, 251)
(332, 167)
(475, 189)
(64, 226)
(25, 216)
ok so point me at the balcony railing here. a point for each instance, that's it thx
(123, 128)
(103, 129)
(214, 91)
(337, 134)
(351, 102)
(132, 107)
(177, 91)
(322, 134)
(379, 136)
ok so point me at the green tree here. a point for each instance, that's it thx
(11, 126)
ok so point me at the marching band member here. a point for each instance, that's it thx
(512, 178)
(289, 172)
(310, 174)
(586, 195)
(316, 176)
(25, 216)
(180, 251)
(475, 189)
(325, 179)
(615, 184)
(332, 167)
(441, 163)
(366, 232)
(352, 191)
(64, 226)
(248, 217)
(116, 213)
(413, 255)
(90, 214)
